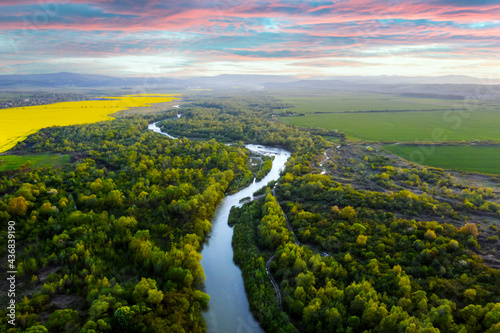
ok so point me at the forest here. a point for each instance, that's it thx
(355, 241)
(111, 240)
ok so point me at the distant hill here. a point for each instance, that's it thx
(480, 91)
(395, 79)
(65, 79)
(243, 81)
(451, 86)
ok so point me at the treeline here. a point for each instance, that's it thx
(267, 165)
(246, 119)
(111, 242)
(247, 255)
(8, 100)
(366, 168)
(435, 182)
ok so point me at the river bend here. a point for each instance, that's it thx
(228, 307)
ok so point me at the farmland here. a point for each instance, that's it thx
(484, 159)
(18, 123)
(408, 126)
(386, 118)
(351, 102)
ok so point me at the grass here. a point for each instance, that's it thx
(12, 162)
(349, 102)
(428, 126)
(17, 123)
(430, 120)
(483, 159)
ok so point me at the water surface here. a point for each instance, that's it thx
(228, 307)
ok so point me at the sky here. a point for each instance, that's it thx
(183, 38)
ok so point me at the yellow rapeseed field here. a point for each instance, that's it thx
(17, 123)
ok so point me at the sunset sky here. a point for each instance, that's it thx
(306, 38)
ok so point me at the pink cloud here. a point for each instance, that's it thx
(152, 15)
(261, 30)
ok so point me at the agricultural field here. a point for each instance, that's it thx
(408, 120)
(351, 102)
(12, 162)
(408, 126)
(17, 123)
(483, 159)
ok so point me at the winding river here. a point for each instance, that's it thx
(228, 307)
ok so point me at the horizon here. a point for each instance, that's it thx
(260, 74)
(278, 37)
(462, 79)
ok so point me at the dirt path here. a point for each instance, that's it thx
(275, 285)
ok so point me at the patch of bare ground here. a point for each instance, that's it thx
(352, 165)
(477, 180)
(30, 288)
(45, 272)
(65, 302)
(61, 302)
(491, 261)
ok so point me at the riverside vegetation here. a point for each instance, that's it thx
(372, 260)
(111, 241)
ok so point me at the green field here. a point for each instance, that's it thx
(408, 126)
(12, 162)
(349, 102)
(484, 159)
(431, 120)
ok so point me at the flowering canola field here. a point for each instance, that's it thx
(17, 123)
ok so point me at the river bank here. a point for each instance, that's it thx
(229, 310)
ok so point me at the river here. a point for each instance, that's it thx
(228, 307)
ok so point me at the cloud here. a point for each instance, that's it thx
(467, 3)
(221, 31)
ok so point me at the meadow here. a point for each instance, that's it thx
(484, 159)
(12, 162)
(17, 123)
(349, 102)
